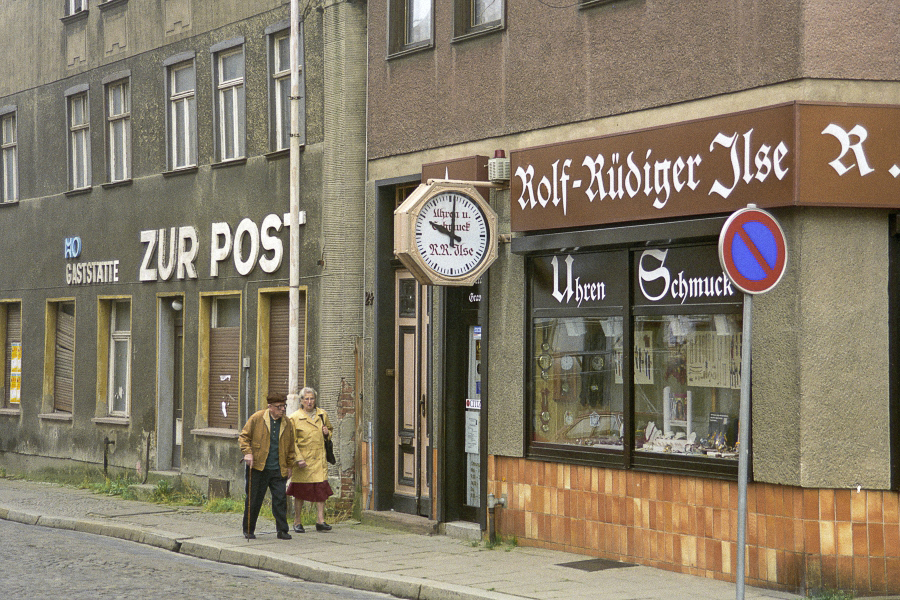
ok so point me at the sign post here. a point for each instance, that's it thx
(753, 253)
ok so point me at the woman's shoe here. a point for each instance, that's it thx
(323, 526)
(298, 528)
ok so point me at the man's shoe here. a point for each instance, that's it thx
(298, 528)
(284, 535)
(249, 536)
(323, 526)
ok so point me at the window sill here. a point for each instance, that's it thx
(9, 202)
(229, 163)
(111, 3)
(592, 3)
(10, 412)
(411, 50)
(181, 171)
(115, 184)
(57, 416)
(478, 32)
(78, 192)
(284, 152)
(112, 420)
(216, 432)
(81, 14)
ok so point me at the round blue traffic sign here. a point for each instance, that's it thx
(752, 250)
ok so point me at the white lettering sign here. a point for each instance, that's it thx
(174, 251)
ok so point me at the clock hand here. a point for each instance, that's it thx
(453, 222)
(442, 229)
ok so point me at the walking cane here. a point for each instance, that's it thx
(247, 480)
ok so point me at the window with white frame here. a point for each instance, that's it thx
(410, 25)
(279, 43)
(119, 372)
(230, 103)
(118, 116)
(182, 116)
(75, 6)
(79, 141)
(9, 185)
(281, 89)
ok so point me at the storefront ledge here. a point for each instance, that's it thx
(111, 420)
(56, 416)
(219, 432)
(10, 412)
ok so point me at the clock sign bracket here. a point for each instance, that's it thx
(445, 233)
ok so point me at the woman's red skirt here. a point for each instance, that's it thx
(311, 492)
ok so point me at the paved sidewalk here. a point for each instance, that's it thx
(373, 558)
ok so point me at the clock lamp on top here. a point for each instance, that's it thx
(445, 234)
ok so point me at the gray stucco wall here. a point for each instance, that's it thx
(506, 403)
(820, 355)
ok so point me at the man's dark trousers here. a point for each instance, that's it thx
(257, 484)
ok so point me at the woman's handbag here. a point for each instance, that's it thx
(329, 447)
(329, 451)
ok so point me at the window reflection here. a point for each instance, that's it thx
(577, 381)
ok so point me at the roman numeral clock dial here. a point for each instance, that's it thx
(452, 235)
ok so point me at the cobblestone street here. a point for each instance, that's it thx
(40, 562)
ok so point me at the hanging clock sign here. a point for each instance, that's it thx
(445, 234)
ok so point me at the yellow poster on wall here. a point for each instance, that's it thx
(15, 373)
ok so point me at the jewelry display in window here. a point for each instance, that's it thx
(592, 380)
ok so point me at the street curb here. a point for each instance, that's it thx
(401, 586)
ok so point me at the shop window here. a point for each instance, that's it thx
(182, 114)
(478, 16)
(280, 87)
(579, 395)
(228, 67)
(79, 126)
(639, 373)
(9, 170)
(114, 356)
(410, 25)
(687, 384)
(118, 134)
(11, 337)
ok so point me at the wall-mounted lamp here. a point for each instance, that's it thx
(177, 305)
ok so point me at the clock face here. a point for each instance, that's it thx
(451, 234)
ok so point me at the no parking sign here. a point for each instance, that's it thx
(753, 254)
(752, 250)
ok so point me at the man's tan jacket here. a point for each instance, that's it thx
(254, 439)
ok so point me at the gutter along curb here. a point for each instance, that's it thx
(255, 557)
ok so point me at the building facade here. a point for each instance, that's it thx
(145, 246)
(592, 377)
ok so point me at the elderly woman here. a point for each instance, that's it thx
(310, 481)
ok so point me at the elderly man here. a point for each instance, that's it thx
(267, 441)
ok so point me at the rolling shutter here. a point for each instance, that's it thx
(279, 332)
(64, 369)
(224, 377)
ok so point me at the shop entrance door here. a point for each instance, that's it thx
(464, 472)
(412, 493)
(169, 383)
